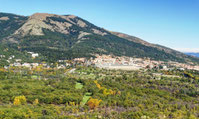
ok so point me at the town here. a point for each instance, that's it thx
(103, 61)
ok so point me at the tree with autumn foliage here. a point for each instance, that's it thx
(19, 100)
(36, 102)
(94, 103)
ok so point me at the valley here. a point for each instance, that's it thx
(62, 66)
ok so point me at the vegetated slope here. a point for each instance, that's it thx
(159, 47)
(68, 36)
(9, 23)
(12, 54)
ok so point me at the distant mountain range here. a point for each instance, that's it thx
(57, 37)
(193, 54)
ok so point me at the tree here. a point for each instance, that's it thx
(19, 100)
(94, 103)
(36, 102)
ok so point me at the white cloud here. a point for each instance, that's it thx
(194, 50)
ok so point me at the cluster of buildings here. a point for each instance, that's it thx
(12, 57)
(106, 61)
(129, 63)
(184, 66)
(27, 65)
(8, 59)
(2, 56)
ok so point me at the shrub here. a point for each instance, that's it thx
(94, 103)
(19, 100)
(36, 102)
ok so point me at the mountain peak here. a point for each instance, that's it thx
(40, 16)
(55, 23)
(71, 16)
(39, 21)
(43, 16)
(34, 25)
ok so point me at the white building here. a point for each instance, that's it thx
(16, 64)
(18, 60)
(26, 65)
(2, 56)
(34, 55)
(34, 64)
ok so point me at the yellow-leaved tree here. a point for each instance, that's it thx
(97, 84)
(36, 102)
(19, 100)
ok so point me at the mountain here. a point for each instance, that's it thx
(9, 23)
(193, 54)
(68, 36)
(159, 47)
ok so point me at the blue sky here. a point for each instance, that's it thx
(172, 23)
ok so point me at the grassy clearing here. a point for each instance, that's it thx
(34, 77)
(86, 98)
(78, 85)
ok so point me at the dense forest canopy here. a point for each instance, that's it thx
(91, 92)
